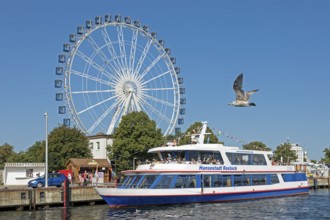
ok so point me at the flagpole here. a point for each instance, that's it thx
(46, 151)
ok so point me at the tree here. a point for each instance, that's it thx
(326, 158)
(36, 153)
(195, 129)
(134, 136)
(256, 145)
(6, 151)
(65, 143)
(283, 153)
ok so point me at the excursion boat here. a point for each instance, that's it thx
(199, 173)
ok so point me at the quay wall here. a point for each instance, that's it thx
(28, 198)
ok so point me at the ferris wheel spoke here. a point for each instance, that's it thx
(155, 111)
(136, 102)
(94, 64)
(151, 65)
(122, 48)
(111, 49)
(95, 105)
(116, 117)
(93, 91)
(84, 75)
(158, 100)
(143, 56)
(158, 89)
(133, 49)
(156, 77)
(98, 50)
(101, 118)
(127, 103)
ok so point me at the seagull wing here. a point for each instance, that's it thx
(249, 93)
(238, 87)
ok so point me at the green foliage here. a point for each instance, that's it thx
(195, 129)
(284, 151)
(134, 136)
(256, 145)
(6, 151)
(326, 158)
(36, 153)
(65, 143)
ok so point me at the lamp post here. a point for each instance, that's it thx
(46, 151)
(134, 163)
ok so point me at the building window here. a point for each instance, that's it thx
(98, 145)
(91, 145)
(29, 172)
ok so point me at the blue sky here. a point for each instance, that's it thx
(282, 47)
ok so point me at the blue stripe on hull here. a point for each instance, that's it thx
(118, 201)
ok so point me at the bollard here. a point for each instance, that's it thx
(315, 183)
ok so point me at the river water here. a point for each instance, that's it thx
(316, 205)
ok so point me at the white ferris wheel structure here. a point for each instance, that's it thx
(112, 67)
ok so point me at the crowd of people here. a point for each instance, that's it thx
(85, 178)
(206, 160)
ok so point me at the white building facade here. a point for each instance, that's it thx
(98, 145)
(299, 152)
(21, 173)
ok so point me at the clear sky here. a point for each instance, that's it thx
(282, 47)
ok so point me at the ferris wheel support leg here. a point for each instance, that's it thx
(113, 121)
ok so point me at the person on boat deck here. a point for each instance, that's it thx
(238, 160)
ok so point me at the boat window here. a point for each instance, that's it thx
(200, 157)
(238, 180)
(185, 181)
(204, 157)
(246, 159)
(165, 182)
(222, 181)
(274, 179)
(135, 182)
(226, 179)
(207, 181)
(258, 179)
(217, 181)
(246, 180)
(239, 158)
(126, 181)
(147, 181)
(259, 159)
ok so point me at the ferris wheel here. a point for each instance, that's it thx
(114, 66)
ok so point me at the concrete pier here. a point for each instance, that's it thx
(20, 198)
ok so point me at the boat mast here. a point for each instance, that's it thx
(203, 132)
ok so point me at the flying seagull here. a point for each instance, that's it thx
(242, 98)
